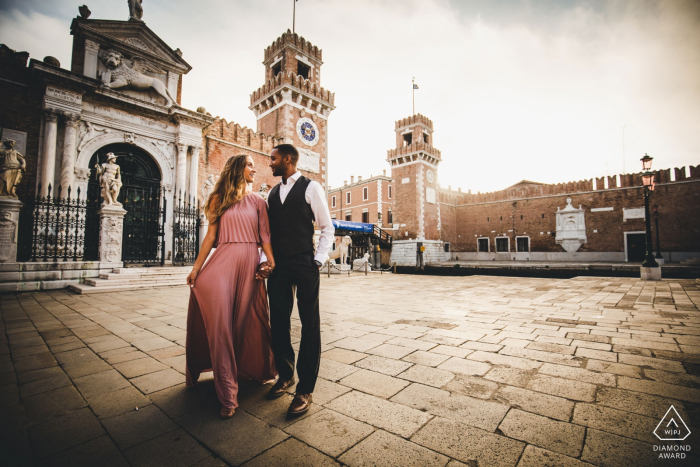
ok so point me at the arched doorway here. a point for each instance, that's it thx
(141, 196)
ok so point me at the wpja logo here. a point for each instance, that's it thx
(671, 428)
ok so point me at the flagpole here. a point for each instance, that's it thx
(294, 18)
(413, 90)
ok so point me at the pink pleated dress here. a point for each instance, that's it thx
(228, 320)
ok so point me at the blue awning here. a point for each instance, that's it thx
(353, 227)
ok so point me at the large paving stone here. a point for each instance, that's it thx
(388, 366)
(638, 402)
(505, 360)
(469, 445)
(374, 383)
(550, 406)
(427, 375)
(274, 411)
(578, 374)
(544, 432)
(472, 386)
(659, 389)
(510, 376)
(79, 369)
(172, 449)
(330, 432)
(425, 358)
(390, 416)
(137, 426)
(179, 400)
(608, 450)
(339, 355)
(334, 371)
(64, 432)
(235, 440)
(538, 457)
(629, 425)
(114, 403)
(98, 383)
(158, 380)
(34, 362)
(390, 350)
(468, 410)
(99, 451)
(53, 403)
(43, 385)
(566, 388)
(292, 453)
(387, 450)
(141, 366)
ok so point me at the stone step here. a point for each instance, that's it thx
(153, 270)
(145, 276)
(89, 289)
(181, 279)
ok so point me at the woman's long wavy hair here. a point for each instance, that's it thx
(229, 189)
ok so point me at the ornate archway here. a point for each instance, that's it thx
(141, 196)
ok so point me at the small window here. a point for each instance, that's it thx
(425, 138)
(523, 244)
(501, 217)
(390, 217)
(303, 70)
(521, 217)
(347, 198)
(502, 245)
(407, 139)
(333, 201)
(365, 194)
(447, 247)
(483, 245)
(542, 216)
(348, 217)
(389, 191)
(488, 219)
(277, 69)
(365, 217)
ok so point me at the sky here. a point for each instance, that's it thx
(548, 91)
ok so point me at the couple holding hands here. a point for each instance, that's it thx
(230, 327)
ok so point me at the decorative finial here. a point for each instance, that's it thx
(135, 10)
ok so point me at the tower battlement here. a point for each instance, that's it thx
(289, 38)
(413, 120)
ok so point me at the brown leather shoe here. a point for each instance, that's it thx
(300, 405)
(280, 387)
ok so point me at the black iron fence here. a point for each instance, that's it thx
(58, 227)
(185, 230)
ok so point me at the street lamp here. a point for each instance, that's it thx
(655, 209)
(648, 181)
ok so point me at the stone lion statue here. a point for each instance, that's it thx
(360, 261)
(341, 251)
(119, 75)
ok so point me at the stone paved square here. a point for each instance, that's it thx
(439, 371)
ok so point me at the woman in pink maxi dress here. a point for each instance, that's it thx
(228, 327)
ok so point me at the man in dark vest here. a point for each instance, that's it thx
(294, 205)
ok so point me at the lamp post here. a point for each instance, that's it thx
(648, 181)
(655, 214)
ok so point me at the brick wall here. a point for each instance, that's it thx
(357, 202)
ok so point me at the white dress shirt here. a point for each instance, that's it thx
(315, 195)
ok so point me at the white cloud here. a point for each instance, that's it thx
(515, 93)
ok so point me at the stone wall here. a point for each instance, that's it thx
(404, 252)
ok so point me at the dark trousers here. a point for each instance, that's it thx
(300, 271)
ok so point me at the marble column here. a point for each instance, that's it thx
(181, 175)
(194, 172)
(48, 152)
(69, 144)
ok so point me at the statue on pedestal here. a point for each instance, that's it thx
(12, 167)
(135, 10)
(110, 178)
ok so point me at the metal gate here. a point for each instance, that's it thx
(185, 230)
(144, 226)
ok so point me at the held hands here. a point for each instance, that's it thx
(192, 276)
(265, 269)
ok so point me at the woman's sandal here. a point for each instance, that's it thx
(226, 413)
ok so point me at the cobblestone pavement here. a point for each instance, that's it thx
(416, 370)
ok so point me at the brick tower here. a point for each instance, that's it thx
(414, 170)
(292, 105)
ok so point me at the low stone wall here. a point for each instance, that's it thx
(28, 277)
(578, 257)
(403, 252)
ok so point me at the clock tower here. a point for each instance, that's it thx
(292, 106)
(414, 171)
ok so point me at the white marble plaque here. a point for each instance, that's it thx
(405, 180)
(430, 195)
(8, 231)
(63, 95)
(19, 137)
(309, 161)
(632, 213)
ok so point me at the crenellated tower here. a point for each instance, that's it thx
(414, 169)
(292, 106)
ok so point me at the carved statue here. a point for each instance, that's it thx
(341, 251)
(110, 177)
(207, 188)
(12, 167)
(119, 75)
(263, 191)
(135, 10)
